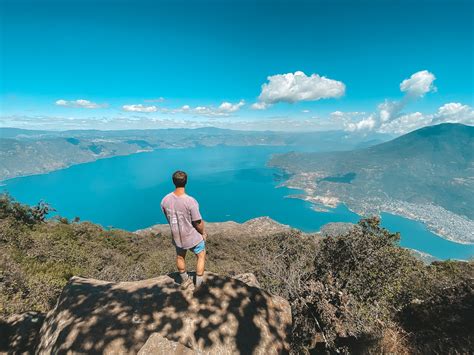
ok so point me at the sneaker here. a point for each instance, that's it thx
(187, 283)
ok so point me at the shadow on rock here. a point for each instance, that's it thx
(224, 315)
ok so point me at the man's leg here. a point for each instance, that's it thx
(201, 261)
(181, 263)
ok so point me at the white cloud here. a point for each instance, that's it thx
(406, 123)
(139, 108)
(366, 124)
(346, 119)
(388, 110)
(414, 88)
(418, 84)
(453, 112)
(224, 109)
(79, 104)
(259, 106)
(230, 107)
(294, 87)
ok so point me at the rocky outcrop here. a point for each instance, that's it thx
(258, 227)
(223, 316)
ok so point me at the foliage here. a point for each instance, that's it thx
(23, 213)
(360, 283)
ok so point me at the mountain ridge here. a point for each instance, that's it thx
(431, 169)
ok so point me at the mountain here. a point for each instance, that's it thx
(423, 175)
(26, 152)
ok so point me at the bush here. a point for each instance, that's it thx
(358, 283)
(9, 208)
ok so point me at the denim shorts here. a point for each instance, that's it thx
(195, 249)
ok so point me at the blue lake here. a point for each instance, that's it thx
(230, 183)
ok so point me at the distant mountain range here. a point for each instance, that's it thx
(26, 152)
(423, 175)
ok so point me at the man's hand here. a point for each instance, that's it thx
(204, 236)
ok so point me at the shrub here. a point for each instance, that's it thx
(357, 284)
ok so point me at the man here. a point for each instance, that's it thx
(187, 228)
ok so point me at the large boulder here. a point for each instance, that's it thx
(223, 316)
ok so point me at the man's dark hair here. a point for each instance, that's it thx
(180, 178)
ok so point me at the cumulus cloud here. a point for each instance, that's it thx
(139, 108)
(294, 87)
(224, 109)
(418, 84)
(230, 107)
(347, 119)
(259, 106)
(366, 124)
(415, 87)
(453, 112)
(388, 110)
(79, 104)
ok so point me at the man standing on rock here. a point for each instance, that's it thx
(187, 228)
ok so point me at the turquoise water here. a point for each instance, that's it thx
(415, 236)
(230, 183)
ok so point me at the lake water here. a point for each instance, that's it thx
(230, 183)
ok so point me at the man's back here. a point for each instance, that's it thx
(181, 211)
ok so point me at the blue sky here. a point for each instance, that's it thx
(121, 58)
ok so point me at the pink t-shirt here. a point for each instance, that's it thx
(181, 211)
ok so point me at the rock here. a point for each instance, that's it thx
(223, 316)
(19, 333)
(159, 345)
(248, 278)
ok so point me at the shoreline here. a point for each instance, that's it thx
(3, 182)
(304, 183)
(319, 206)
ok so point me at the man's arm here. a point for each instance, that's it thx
(199, 226)
(196, 218)
(164, 212)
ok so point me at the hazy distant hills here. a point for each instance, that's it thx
(431, 166)
(24, 152)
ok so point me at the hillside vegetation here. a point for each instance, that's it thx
(348, 293)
